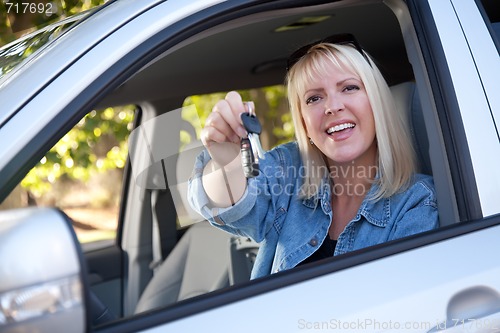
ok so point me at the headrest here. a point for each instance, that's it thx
(406, 99)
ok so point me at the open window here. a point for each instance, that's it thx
(82, 174)
(163, 254)
(246, 53)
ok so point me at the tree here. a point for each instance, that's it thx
(100, 136)
(18, 17)
(98, 143)
(271, 109)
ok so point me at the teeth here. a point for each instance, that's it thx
(339, 128)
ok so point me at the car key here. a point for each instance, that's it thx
(253, 128)
(251, 148)
(250, 167)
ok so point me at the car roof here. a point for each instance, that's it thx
(251, 51)
(248, 50)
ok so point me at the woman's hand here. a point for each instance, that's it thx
(221, 136)
(223, 129)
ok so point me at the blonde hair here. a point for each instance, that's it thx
(396, 157)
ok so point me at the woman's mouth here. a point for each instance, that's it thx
(339, 128)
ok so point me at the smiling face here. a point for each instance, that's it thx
(338, 117)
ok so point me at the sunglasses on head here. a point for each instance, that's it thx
(335, 39)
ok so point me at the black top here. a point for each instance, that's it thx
(326, 250)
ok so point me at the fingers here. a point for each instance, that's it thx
(218, 130)
(236, 108)
(224, 123)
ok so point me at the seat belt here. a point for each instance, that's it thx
(155, 234)
(163, 226)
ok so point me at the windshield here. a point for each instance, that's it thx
(17, 52)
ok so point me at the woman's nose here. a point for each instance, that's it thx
(333, 105)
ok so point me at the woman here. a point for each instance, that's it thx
(348, 182)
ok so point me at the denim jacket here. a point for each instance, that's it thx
(290, 229)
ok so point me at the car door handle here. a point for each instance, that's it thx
(474, 309)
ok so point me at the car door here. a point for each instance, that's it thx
(404, 285)
(110, 264)
(56, 69)
(441, 280)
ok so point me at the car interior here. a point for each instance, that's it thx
(242, 53)
(169, 253)
(248, 52)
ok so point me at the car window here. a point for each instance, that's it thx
(160, 171)
(183, 125)
(14, 54)
(273, 114)
(82, 174)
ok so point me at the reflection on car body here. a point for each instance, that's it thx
(440, 58)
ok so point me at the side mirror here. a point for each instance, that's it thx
(41, 273)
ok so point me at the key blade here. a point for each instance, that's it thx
(256, 145)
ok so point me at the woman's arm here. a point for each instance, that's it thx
(223, 178)
(264, 198)
(224, 185)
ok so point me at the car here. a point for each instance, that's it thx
(167, 270)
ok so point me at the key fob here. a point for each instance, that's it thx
(250, 168)
(251, 123)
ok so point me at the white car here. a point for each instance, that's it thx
(441, 58)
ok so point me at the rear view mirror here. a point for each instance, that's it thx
(41, 285)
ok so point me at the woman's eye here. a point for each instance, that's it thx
(351, 87)
(312, 99)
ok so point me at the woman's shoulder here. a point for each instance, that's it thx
(290, 147)
(421, 187)
(282, 160)
(288, 152)
(420, 179)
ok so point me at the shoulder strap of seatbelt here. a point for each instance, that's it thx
(155, 234)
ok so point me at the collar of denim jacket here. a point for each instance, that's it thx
(376, 212)
(321, 197)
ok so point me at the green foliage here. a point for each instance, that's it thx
(270, 99)
(17, 19)
(99, 141)
(198, 115)
(11, 56)
(286, 132)
(96, 144)
(276, 97)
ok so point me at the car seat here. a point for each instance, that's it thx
(198, 264)
(406, 98)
